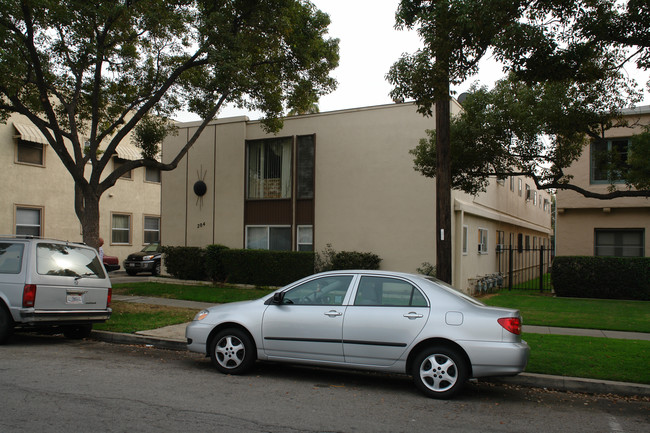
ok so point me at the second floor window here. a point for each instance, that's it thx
(269, 168)
(608, 159)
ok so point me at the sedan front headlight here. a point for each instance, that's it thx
(201, 315)
(148, 257)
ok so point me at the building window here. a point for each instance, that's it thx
(535, 198)
(28, 152)
(619, 242)
(482, 241)
(546, 204)
(305, 167)
(305, 238)
(151, 229)
(527, 246)
(121, 229)
(269, 168)
(152, 174)
(520, 242)
(608, 159)
(501, 240)
(519, 186)
(277, 238)
(28, 221)
(512, 183)
(117, 163)
(465, 239)
(528, 192)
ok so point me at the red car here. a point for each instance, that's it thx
(111, 263)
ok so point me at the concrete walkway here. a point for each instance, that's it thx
(173, 337)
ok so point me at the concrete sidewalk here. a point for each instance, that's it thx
(173, 337)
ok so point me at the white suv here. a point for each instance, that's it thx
(45, 283)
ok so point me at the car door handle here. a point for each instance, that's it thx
(333, 313)
(413, 315)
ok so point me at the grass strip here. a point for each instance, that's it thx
(589, 357)
(545, 310)
(130, 317)
(213, 294)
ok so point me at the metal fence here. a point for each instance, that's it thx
(525, 268)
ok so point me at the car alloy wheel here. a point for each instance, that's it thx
(232, 351)
(439, 372)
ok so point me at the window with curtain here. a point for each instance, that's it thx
(28, 221)
(121, 229)
(276, 238)
(269, 168)
(305, 238)
(151, 229)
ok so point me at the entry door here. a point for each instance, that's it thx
(308, 325)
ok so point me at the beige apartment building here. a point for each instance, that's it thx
(343, 178)
(37, 194)
(592, 227)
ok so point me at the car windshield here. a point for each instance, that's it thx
(151, 248)
(67, 261)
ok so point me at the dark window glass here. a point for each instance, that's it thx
(305, 168)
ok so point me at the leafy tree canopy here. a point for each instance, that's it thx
(538, 131)
(89, 72)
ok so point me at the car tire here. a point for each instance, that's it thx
(232, 351)
(156, 269)
(77, 332)
(6, 325)
(439, 372)
(131, 272)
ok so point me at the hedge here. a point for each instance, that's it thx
(185, 263)
(266, 268)
(602, 277)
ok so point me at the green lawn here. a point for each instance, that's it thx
(595, 358)
(546, 310)
(129, 317)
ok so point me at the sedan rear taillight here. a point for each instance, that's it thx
(511, 324)
(29, 295)
(109, 298)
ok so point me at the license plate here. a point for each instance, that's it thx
(74, 299)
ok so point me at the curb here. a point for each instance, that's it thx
(532, 380)
(120, 338)
(575, 384)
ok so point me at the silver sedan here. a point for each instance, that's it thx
(384, 321)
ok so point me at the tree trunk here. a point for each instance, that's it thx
(443, 186)
(87, 209)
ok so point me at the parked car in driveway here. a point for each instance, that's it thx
(384, 321)
(111, 263)
(46, 283)
(146, 260)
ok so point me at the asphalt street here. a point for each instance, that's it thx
(52, 384)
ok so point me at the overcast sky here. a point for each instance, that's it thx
(369, 45)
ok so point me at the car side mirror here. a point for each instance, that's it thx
(278, 298)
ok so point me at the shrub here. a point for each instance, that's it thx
(266, 268)
(330, 260)
(602, 277)
(185, 263)
(214, 262)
